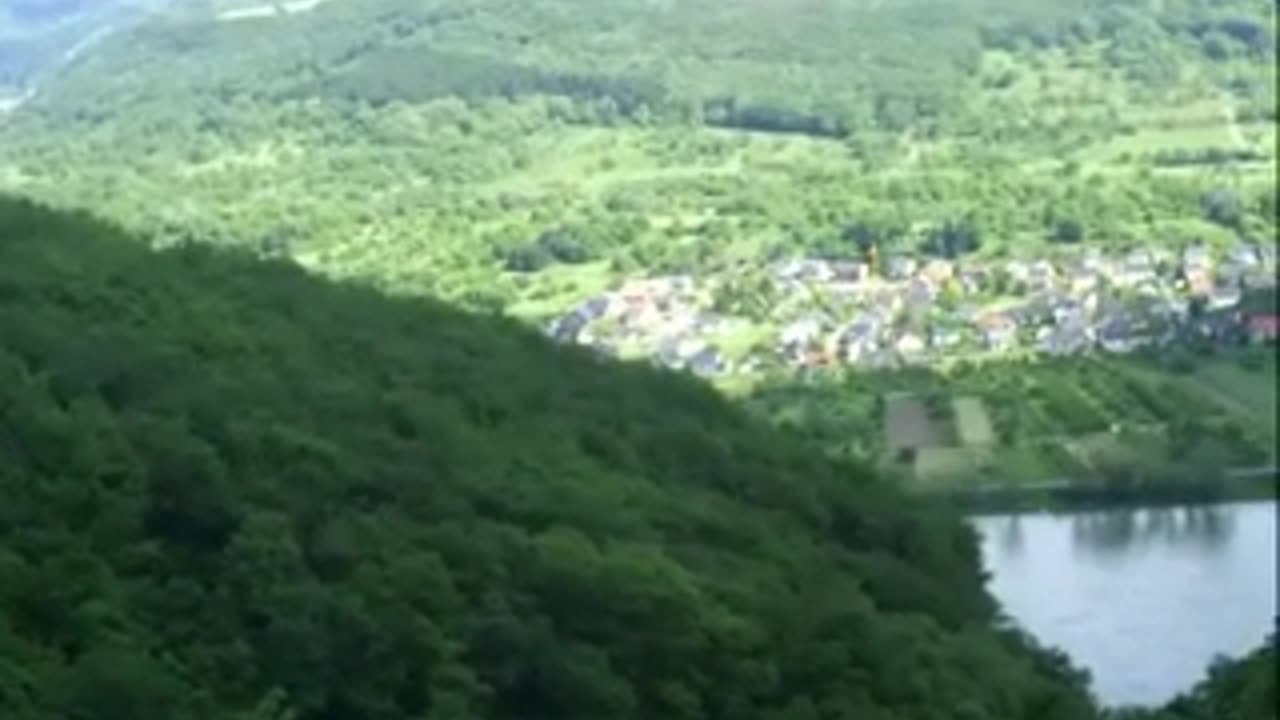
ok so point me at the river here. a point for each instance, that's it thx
(1144, 599)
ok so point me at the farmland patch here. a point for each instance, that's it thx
(972, 423)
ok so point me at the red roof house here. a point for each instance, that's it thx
(1264, 326)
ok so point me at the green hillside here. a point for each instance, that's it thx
(427, 147)
(235, 491)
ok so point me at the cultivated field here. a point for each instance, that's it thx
(1030, 423)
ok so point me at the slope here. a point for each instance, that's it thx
(235, 491)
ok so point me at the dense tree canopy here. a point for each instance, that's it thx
(233, 490)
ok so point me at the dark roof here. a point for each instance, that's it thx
(594, 307)
(707, 361)
(668, 357)
(569, 326)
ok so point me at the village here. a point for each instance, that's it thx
(807, 314)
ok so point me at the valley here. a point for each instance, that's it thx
(635, 359)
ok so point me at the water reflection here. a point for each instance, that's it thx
(1119, 532)
(1011, 535)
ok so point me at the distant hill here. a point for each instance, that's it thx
(427, 146)
(232, 490)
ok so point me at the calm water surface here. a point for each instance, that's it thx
(1142, 598)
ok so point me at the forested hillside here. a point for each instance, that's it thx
(236, 491)
(428, 147)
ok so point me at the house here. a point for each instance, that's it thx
(706, 321)
(1263, 327)
(1082, 282)
(1223, 297)
(792, 352)
(1134, 269)
(972, 281)
(800, 332)
(786, 269)
(859, 348)
(642, 317)
(999, 332)
(567, 328)
(1267, 255)
(1160, 256)
(604, 348)
(849, 271)
(945, 338)
(1064, 340)
(1041, 274)
(681, 283)
(804, 269)
(1244, 255)
(668, 355)
(921, 293)
(888, 300)
(1091, 262)
(689, 345)
(1032, 312)
(900, 267)
(938, 271)
(880, 359)
(1200, 283)
(859, 337)
(1175, 308)
(1067, 311)
(966, 312)
(1196, 258)
(1018, 271)
(1121, 335)
(1258, 277)
(910, 345)
(707, 362)
(594, 307)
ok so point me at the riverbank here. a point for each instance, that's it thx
(1240, 485)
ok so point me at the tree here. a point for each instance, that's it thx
(1066, 230)
(953, 238)
(1222, 206)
